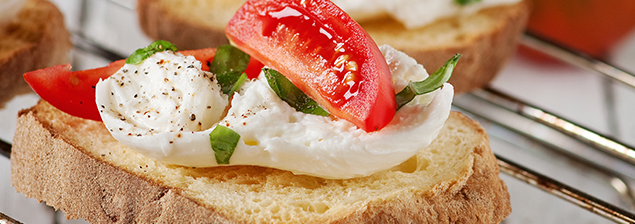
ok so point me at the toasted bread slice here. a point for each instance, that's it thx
(36, 38)
(486, 39)
(76, 166)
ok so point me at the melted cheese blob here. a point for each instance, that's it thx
(413, 13)
(162, 107)
(273, 134)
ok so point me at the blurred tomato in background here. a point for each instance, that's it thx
(590, 26)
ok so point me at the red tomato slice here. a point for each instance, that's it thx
(206, 56)
(323, 52)
(74, 92)
(71, 92)
(253, 68)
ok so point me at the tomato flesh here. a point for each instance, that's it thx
(206, 56)
(323, 52)
(74, 92)
(71, 92)
(253, 68)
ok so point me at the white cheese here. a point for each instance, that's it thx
(162, 106)
(274, 135)
(413, 13)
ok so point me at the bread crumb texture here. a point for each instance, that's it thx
(454, 180)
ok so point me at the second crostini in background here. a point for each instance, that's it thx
(486, 38)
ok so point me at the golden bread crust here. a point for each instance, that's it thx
(482, 199)
(50, 166)
(158, 22)
(37, 38)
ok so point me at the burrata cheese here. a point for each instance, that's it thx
(272, 134)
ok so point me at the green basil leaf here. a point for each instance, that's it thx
(292, 94)
(466, 2)
(224, 141)
(142, 53)
(433, 82)
(229, 64)
(241, 79)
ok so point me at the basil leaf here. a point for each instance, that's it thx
(142, 53)
(224, 141)
(433, 82)
(292, 94)
(239, 82)
(466, 2)
(228, 65)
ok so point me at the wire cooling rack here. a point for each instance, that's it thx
(618, 159)
(584, 145)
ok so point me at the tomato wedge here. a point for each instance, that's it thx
(324, 52)
(253, 68)
(71, 92)
(74, 92)
(205, 56)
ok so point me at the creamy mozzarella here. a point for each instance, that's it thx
(273, 134)
(413, 13)
(162, 107)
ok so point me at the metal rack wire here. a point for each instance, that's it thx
(565, 192)
(620, 156)
(616, 156)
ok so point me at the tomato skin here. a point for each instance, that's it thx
(206, 56)
(71, 92)
(323, 52)
(74, 92)
(253, 68)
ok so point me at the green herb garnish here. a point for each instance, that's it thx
(292, 95)
(433, 82)
(224, 141)
(142, 53)
(241, 79)
(229, 64)
(466, 2)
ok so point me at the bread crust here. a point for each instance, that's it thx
(8, 220)
(36, 39)
(485, 50)
(49, 167)
(478, 201)
(159, 23)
